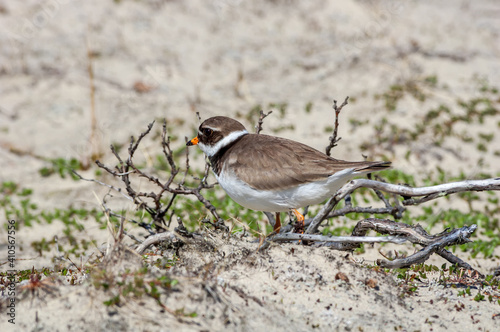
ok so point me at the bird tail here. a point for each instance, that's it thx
(372, 166)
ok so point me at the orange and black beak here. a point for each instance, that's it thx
(194, 141)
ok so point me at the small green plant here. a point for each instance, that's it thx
(479, 297)
(434, 127)
(308, 107)
(408, 281)
(63, 167)
(132, 285)
(464, 292)
(114, 301)
(166, 263)
(17, 204)
(415, 88)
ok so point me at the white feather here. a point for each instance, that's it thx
(286, 199)
(210, 151)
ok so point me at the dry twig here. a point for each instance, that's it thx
(262, 116)
(151, 202)
(333, 139)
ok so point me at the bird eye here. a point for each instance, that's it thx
(207, 131)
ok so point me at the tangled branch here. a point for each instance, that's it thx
(154, 202)
(398, 233)
(160, 203)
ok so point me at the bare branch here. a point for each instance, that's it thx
(457, 236)
(165, 143)
(285, 237)
(392, 210)
(187, 164)
(133, 147)
(398, 232)
(262, 116)
(429, 193)
(454, 259)
(154, 239)
(113, 214)
(322, 214)
(119, 190)
(157, 210)
(432, 192)
(415, 234)
(106, 168)
(333, 139)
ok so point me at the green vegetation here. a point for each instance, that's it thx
(437, 126)
(134, 285)
(61, 166)
(17, 204)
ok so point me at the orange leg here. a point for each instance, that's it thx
(300, 220)
(277, 224)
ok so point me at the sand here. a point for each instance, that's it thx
(170, 59)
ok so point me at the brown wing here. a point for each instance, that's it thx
(270, 162)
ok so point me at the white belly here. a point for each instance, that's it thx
(283, 200)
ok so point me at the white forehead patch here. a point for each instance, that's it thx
(211, 150)
(214, 129)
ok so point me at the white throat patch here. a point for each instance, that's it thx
(211, 151)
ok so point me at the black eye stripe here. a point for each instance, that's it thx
(206, 131)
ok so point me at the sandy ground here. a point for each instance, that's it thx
(224, 58)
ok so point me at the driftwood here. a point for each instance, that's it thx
(428, 193)
(399, 233)
(401, 196)
(154, 239)
(414, 234)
